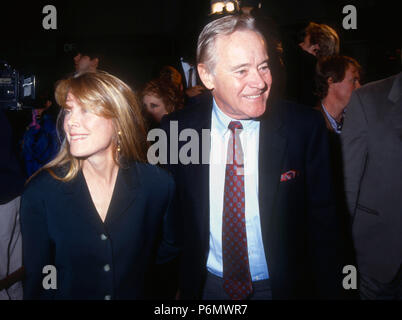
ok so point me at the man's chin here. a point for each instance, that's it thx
(257, 112)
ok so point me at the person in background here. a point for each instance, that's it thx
(86, 60)
(40, 142)
(313, 42)
(320, 40)
(169, 73)
(160, 97)
(186, 65)
(372, 155)
(336, 79)
(98, 213)
(11, 186)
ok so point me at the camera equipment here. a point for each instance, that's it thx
(17, 91)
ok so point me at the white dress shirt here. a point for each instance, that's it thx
(249, 138)
(334, 124)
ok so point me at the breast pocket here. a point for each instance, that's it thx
(366, 223)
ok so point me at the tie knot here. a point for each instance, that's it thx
(233, 125)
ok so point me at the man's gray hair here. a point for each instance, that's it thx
(224, 26)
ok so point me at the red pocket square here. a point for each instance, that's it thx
(291, 174)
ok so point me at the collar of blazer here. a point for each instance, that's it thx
(396, 90)
(127, 181)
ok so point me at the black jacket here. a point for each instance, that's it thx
(298, 221)
(61, 227)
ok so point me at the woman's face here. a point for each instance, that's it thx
(89, 135)
(155, 106)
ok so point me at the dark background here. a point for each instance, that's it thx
(136, 37)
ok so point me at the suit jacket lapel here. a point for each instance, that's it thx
(78, 197)
(272, 147)
(396, 90)
(124, 193)
(200, 173)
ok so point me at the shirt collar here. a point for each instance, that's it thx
(186, 66)
(223, 120)
(334, 124)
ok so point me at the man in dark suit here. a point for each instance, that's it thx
(336, 78)
(257, 215)
(186, 66)
(372, 154)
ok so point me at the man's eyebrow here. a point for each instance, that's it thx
(239, 66)
(265, 61)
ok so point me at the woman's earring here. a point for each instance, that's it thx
(118, 141)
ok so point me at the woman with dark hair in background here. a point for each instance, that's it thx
(97, 213)
(161, 96)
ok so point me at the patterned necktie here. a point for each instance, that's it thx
(236, 270)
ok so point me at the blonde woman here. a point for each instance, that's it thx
(98, 214)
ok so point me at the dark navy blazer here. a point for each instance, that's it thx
(300, 229)
(95, 259)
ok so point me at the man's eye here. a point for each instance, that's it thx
(264, 68)
(241, 72)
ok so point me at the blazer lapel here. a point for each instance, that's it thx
(124, 193)
(78, 197)
(199, 173)
(395, 104)
(272, 147)
(396, 90)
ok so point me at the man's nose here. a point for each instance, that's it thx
(257, 80)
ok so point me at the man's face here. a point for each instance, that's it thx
(242, 79)
(84, 63)
(343, 90)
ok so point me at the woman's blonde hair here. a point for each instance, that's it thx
(108, 97)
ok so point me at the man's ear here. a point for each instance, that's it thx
(96, 62)
(315, 48)
(206, 76)
(330, 81)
